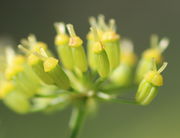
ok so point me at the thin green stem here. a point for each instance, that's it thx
(124, 101)
(121, 101)
(76, 122)
(116, 89)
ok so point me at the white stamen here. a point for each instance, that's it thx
(163, 44)
(10, 54)
(127, 45)
(60, 27)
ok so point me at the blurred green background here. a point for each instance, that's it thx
(136, 19)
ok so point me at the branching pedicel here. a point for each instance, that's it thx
(37, 81)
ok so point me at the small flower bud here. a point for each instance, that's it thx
(148, 88)
(79, 56)
(123, 74)
(102, 63)
(63, 49)
(100, 56)
(20, 73)
(15, 67)
(37, 65)
(18, 102)
(54, 70)
(155, 52)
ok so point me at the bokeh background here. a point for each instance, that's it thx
(136, 19)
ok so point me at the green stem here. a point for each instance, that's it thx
(77, 119)
(117, 89)
(121, 101)
(124, 101)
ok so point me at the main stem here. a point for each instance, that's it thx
(77, 119)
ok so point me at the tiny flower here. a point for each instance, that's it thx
(101, 59)
(155, 52)
(52, 67)
(62, 45)
(110, 40)
(79, 56)
(37, 65)
(148, 88)
(18, 102)
(123, 74)
(20, 73)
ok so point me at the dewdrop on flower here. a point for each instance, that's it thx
(123, 74)
(101, 59)
(62, 46)
(155, 52)
(148, 88)
(110, 40)
(78, 53)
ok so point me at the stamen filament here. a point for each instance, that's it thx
(112, 25)
(154, 41)
(101, 22)
(28, 52)
(43, 53)
(32, 39)
(92, 21)
(163, 44)
(161, 69)
(71, 30)
(154, 67)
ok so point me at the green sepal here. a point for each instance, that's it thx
(146, 93)
(59, 77)
(79, 58)
(65, 54)
(91, 55)
(39, 70)
(102, 63)
(26, 81)
(113, 52)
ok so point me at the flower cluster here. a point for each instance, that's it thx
(38, 81)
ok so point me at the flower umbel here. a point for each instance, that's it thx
(37, 81)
